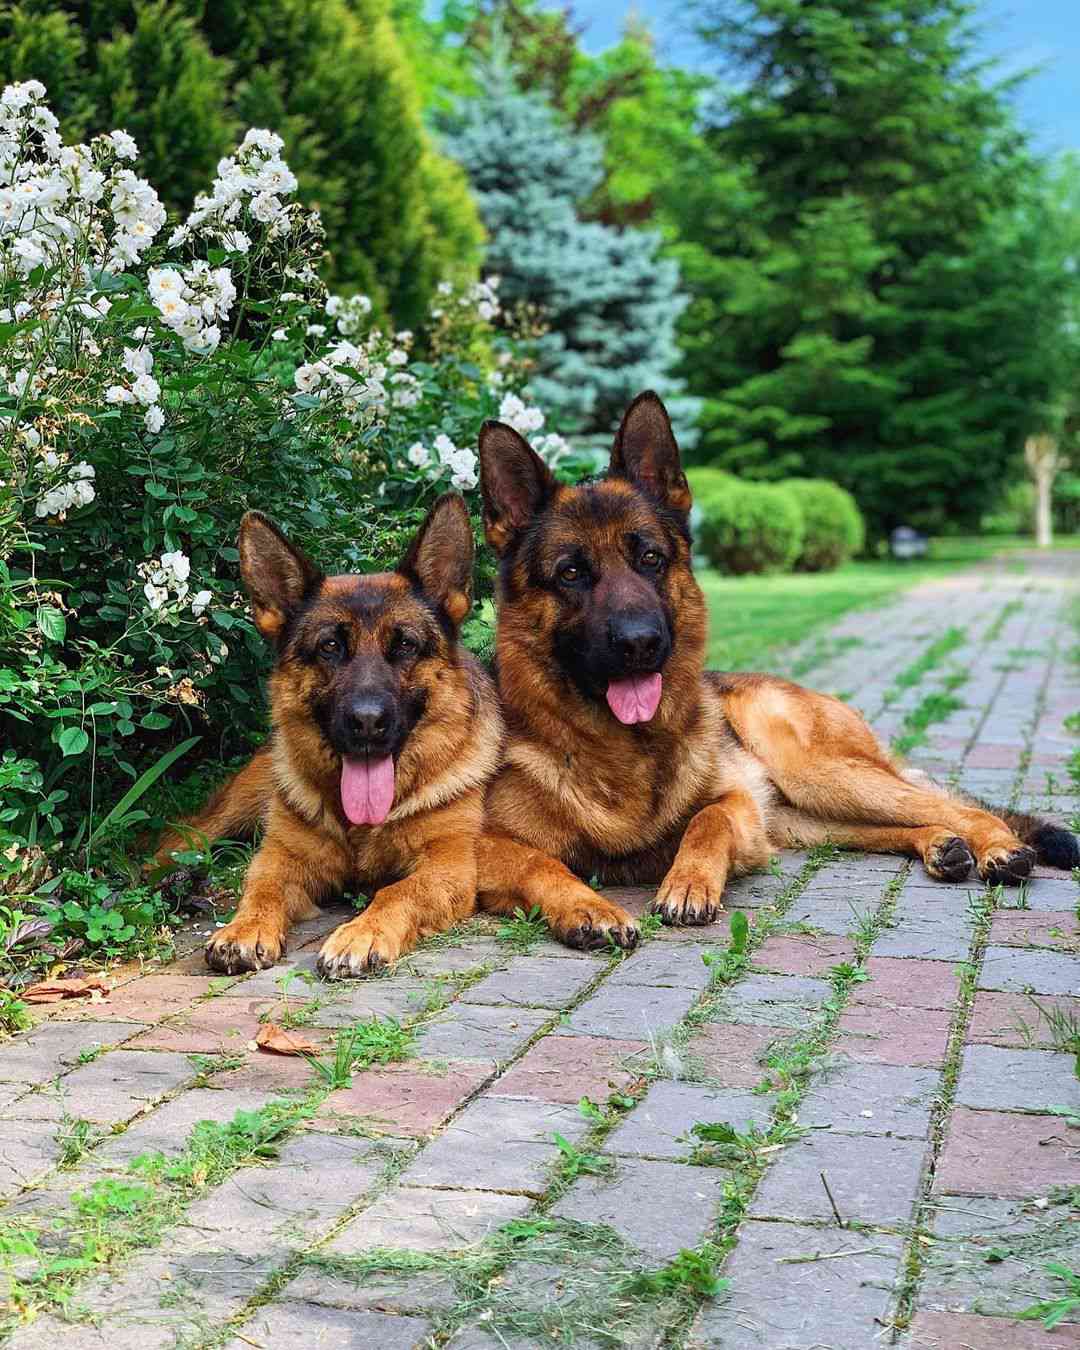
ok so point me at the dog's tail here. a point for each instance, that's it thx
(236, 809)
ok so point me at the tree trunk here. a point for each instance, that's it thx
(1043, 461)
(1043, 534)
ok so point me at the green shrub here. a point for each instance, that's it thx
(154, 384)
(746, 527)
(833, 527)
(1014, 511)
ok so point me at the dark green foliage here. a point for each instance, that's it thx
(746, 527)
(833, 529)
(864, 240)
(186, 78)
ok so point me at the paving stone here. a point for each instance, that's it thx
(879, 1034)
(24, 1155)
(498, 1144)
(72, 1336)
(285, 1075)
(629, 1012)
(1033, 1080)
(148, 999)
(949, 1331)
(567, 1068)
(1022, 928)
(419, 1219)
(907, 983)
(352, 1001)
(453, 960)
(835, 910)
(379, 1290)
(638, 901)
(871, 1099)
(730, 1053)
(478, 1033)
(773, 1000)
(402, 1101)
(989, 1256)
(1019, 1020)
(1005, 1154)
(532, 982)
(119, 1084)
(49, 1049)
(762, 889)
(309, 1324)
(659, 1126)
(1035, 972)
(922, 926)
(777, 1300)
(803, 954)
(658, 1207)
(676, 966)
(167, 1129)
(1050, 892)
(872, 1179)
(268, 983)
(219, 1026)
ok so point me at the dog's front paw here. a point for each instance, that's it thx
(359, 947)
(595, 922)
(691, 893)
(245, 944)
(949, 859)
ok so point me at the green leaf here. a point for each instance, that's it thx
(52, 623)
(144, 781)
(72, 741)
(155, 721)
(740, 932)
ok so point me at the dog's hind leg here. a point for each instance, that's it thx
(513, 876)
(945, 855)
(727, 836)
(827, 762)
(236, 808)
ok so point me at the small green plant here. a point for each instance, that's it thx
(214, 1148)
(14, 1014)
(1053, 1311)
(523, 931)
(73, 1137)
(131, 921)
(692, 1272)
(729, 964)
(89, 1054)
(379, 1040)
(575, 1163)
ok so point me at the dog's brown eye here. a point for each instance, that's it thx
(569, 573)
(651, 558)
(330, 647)
(404, 645)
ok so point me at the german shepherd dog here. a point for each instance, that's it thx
(385, 732)
(628, 761)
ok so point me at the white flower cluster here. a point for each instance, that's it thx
(167, 577)
(527, 420)
(253, 181)
(458, 460)
(349, 312)
(57, 200)
(350, 375)
(482, 297)
(78, 490)
(190, 299)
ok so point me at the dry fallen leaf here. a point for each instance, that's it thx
(55, 991)
(278, 1041)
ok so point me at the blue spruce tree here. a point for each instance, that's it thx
(610, 299)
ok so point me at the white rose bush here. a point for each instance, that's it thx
(157, 378)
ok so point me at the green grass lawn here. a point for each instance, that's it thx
(750, 618)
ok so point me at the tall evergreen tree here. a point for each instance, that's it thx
(610, 300)
(186, 77)
(856, 251)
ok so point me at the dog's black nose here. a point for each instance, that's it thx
(638, 641)
(369, 720)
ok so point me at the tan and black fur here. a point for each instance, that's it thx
(596, 582)
(361, 662)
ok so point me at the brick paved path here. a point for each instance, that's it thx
(900, 1154)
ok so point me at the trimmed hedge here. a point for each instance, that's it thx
(833, 527)
(746, 527)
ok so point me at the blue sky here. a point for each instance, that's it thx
(1019, 33)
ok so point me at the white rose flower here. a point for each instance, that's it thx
(146, 389)
(154, 419)
(116, 393)
(178, 563)
(124, 145)
(445, 448)
(418, 454)
(155, 595)
(82, 470)
(138, 360)
(307, 378)
(200, 603)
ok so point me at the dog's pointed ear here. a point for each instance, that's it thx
(277, 575)
(646, 453)
(515, 483)
(440, 558)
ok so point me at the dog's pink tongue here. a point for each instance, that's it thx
(367, 789)
(635, 699)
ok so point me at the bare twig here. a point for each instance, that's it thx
(832, 1202)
